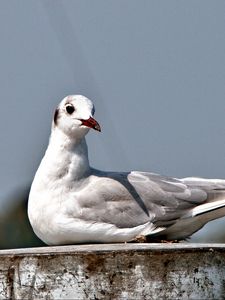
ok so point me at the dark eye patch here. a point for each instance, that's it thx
(70, 109)
(56, 114)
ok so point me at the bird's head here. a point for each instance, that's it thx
(74, 116)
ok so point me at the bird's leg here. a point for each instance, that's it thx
(139, 239)
(168, 242)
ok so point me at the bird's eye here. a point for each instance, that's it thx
(70, 109)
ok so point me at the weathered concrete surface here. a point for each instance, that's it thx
(119, 271)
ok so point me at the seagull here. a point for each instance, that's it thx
(72, 203)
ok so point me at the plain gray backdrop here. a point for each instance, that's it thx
(154, 69)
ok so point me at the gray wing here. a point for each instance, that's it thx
(131, 199)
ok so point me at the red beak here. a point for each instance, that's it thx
(91, 123)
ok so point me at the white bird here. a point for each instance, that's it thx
(71, 202)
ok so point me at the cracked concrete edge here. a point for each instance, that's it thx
(114, 271)
(161, 247)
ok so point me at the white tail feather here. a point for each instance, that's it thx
(205, 208)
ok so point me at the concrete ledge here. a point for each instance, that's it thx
(115, 271)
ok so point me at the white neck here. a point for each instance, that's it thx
(65, 157)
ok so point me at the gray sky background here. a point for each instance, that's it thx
(154, 69)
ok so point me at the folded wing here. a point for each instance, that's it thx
(132, 199)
